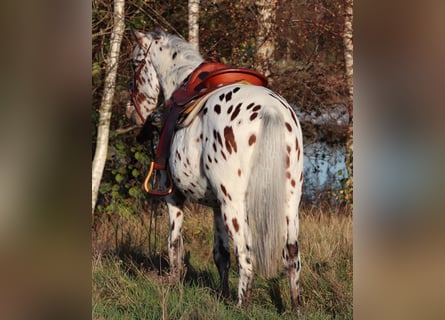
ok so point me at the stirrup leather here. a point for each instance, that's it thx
(155, 170)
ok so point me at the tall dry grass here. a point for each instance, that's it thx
(130, 263)
(326, 252)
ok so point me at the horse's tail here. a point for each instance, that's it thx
(266, 194)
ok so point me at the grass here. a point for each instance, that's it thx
(130, 282)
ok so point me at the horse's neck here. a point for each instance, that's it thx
(175, 77)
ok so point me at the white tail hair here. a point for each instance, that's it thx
(266, 195)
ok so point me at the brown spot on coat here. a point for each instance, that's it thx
(253, 116)
(239, 172)
(218, 137)
(288, 126)
(292, 183)
(252, 139)
(217, 108)
(178, 214)
(235, 224)
(256, 108)
(140, 97)
(223, 189)
(294, 118)
(230, 139)
(236, 112)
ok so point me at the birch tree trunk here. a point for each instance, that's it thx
(265, 40)
(103, 127)
(348, 51)
(349, 71)
(193, 6)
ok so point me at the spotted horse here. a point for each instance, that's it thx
(241, 154)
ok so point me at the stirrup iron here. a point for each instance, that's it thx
(155, 170)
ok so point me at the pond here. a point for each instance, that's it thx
(325, 151)
(324, 168)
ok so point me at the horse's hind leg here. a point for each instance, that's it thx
(293, 266)
(291, 253)
(175, 242)
(234, 215)
(221, 254)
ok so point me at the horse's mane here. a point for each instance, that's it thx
(187, 55)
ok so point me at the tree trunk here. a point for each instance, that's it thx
(348, 47)
(194, 22)
(103, 127)
(265, 40)
(348, 55)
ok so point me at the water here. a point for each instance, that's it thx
(324, 155)
(324, 168)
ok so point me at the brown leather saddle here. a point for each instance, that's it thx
(206, 78)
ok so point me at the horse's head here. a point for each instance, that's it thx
(160, 61)
(145, 88)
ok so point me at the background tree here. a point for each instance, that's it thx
(265, 39)
(193, 15)
(103, 126)
(348, 51)
(347, 42)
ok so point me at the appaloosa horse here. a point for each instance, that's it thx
(241, 154)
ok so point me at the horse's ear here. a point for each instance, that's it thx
(138, 36)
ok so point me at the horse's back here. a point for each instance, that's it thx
(215, 152)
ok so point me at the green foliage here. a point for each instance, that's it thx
(121, 191)
(345, 194)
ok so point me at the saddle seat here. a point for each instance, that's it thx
(191, 94)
